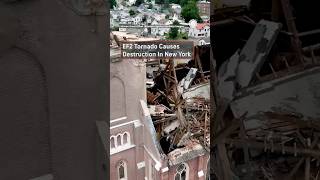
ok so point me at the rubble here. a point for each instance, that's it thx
(185, 83)
(201, 90)
(171, 127)
(254, 53)
(190, 151)
(267, 84)
(179, 105)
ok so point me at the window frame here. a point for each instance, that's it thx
(186, 169)
(125, 169)
(119, 145)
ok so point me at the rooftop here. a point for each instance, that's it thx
(201, 25)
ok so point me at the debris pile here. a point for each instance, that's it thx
(179, 104)
(267, 89)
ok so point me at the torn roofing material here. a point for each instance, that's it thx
(226, 77)
(185, 83)
(171, 127)
(190, 151)
(297, 94)
(201, 90)
(256, 50)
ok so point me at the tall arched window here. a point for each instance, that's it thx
(122, 171)
(119, 140)
(112, 142)
(182, 172)
(125, 138)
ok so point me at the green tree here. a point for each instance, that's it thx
(175, 1)
(144, 19)
(131, 12)
(190, 11)
(116, 28)
(175, 23)
(173, 33)
(184, 2)
(113, 3)
(166, 3)
(138, 2)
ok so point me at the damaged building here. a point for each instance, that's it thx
(267, 84)
(159, 127)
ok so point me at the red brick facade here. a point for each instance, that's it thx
(134, 148)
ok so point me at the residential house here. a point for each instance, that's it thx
(155, 30)
(199, 30)
(204, 8)
(137, 20)
(176, 9)
(130, 2)
(159, 16)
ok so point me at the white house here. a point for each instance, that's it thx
(158, 30)
(124, 14)
(127, 21)
(176, 9)
(199, 30)
(131, 2)
(137, 19)
(159, 16)
(155, 30)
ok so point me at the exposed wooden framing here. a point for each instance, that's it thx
(275, 147)
(273, 71)
(224, 160)
(290, 20)
(301, 138)
(171, 83)
(275, 10)
(245, 146)
(198, 62)
(219, 137)
(294, 170)
(312, 47)
(307, 33)
(307, 169)
(205, 127)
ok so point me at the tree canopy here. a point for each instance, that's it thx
(180, 2)
(113, 3)
(131, 12)
(175, 23)
(138, 2)
(190, 11)
(173, 33)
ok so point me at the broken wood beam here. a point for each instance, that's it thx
(307, 169)
(290, 20)
(225, 169)
(218, 138)
(275, 147)
(294, 170)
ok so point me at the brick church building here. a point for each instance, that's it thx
(135, 151)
